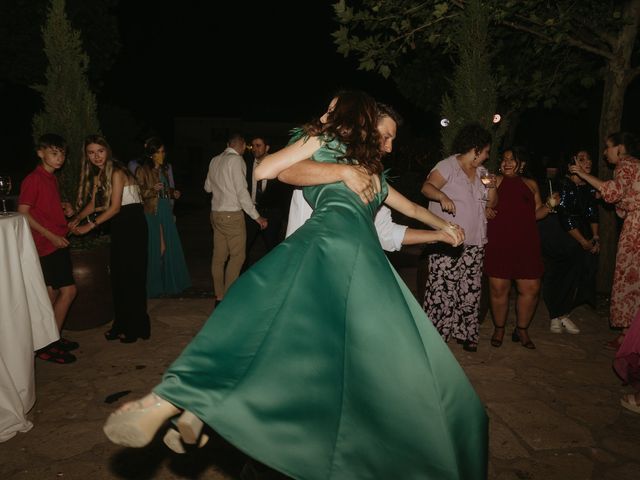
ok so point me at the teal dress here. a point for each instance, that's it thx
(166, 274)
(321, 364)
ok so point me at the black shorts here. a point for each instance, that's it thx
(57, 269)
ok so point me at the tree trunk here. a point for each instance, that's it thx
(616, 80)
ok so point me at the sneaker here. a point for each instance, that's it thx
(556, 325)
(568, 325)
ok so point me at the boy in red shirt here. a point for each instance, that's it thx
(40, 202)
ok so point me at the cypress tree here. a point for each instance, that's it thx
(474, 94)
(69, 104)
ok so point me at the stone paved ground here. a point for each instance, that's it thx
(554, 411)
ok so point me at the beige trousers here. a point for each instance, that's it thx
(229, 240)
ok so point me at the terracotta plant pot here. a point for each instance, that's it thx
(92, 306)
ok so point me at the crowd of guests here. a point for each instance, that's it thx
(146, 258)
(540, 234)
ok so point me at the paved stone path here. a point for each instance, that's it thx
(554, 411)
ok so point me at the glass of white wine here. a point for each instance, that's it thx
(5, 189)
(487, 178)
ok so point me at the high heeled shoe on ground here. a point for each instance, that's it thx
(173, 440)
(496, 339)
(135, 424)
(190, 427)
(515, 337)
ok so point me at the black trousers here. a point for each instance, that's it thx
(128, 266)
(569, 278)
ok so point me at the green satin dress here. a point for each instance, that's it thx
(321, 364)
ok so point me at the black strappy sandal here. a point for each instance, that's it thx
(495, 341)
(515, 337)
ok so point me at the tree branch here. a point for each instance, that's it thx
(632, 74)
(421, 27)
(570, 40)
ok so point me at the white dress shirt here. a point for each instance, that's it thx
(390, 234)
(254, 182)
(227, 182)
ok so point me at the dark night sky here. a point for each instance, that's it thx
(257, 60)
(263, 60)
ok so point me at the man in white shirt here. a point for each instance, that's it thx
(227, 183)
(308, 172)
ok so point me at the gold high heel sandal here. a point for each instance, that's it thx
(173, 440)
(136, 426)
(189, 427)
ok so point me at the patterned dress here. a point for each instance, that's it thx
(454, 282)
(624, 192)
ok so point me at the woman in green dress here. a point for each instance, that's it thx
(320, 363)
(167, 272)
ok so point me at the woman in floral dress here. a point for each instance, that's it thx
(622, 150)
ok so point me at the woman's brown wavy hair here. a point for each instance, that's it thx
(353, 122)
(89, 173)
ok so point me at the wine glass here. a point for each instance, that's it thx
(5, 189)
(551, 201)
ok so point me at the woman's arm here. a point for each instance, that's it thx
(590, 179)
(88, 209)
(148, 189)
(405, 206)
(431, 189)
(542, 209)
(117, 187)
(309, 172)
(272, 165)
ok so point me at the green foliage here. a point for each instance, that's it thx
(560, 41)
(69, 104)
(22, 60)
(473, 97)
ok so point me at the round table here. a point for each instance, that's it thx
(27, 322)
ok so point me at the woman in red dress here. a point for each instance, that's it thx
(513, 248)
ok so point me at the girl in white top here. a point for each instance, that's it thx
(108, 192)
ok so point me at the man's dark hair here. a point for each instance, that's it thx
(51, 140)
(385, 110)
(234, 137)
(261, 137)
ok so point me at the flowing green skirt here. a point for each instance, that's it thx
(321, 364)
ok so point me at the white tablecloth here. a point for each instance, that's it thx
(27, 323)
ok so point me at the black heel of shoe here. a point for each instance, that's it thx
(469, 346)
(497, 342)
(111, 335)
(515, 337)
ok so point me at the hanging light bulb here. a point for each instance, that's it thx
(444, 122)
(496, 118)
